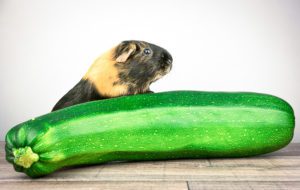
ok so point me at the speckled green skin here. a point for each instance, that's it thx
(168, 125)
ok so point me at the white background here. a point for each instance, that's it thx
(46, 46)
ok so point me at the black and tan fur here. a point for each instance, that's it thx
(126, 69)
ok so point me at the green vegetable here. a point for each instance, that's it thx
(168, 125)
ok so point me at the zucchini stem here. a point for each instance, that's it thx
(25, 157)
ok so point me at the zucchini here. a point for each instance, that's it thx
(159, 126)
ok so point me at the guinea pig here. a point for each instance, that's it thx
(126, 69)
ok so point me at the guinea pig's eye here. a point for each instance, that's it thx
(147, 51)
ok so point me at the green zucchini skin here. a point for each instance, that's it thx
(158, 126)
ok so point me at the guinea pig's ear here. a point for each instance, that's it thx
(124, 50)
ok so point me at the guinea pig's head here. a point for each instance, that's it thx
(140, 63)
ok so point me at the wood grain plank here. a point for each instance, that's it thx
(132, 185)
(185, 170)
(247, 185)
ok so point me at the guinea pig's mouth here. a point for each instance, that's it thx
(162, 72)
(166, 66)
(169, 61)
(167, 69)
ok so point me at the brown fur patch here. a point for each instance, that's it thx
(103, 74)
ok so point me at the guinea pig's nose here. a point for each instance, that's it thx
(167, 57)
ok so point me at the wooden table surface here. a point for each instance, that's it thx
(277, 170)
